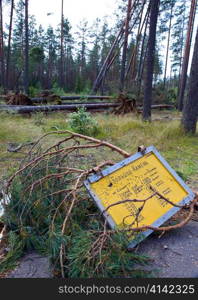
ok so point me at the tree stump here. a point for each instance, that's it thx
(127, 105)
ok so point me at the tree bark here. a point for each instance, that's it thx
(143, 53)
(186, 55)
(9, 46)
(102, 71)
(168, 43)
(61, 46)
(2, 65)
(154, 11)
(125, 46)
(190, 112)
(26, 68)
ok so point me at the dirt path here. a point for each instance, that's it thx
(32, 265)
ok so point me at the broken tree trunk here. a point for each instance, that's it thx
(110, 57)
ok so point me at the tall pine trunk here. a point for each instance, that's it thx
(154, 11)
(125, 46)
(2, 64)
(61, 80)
(142, 55)
(9, 45)
(168, 43)
(190, 112)
(185, 64)
(26, 67)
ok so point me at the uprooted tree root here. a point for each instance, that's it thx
(18, 99)
(126, 105)
(50, 97)
(50, 210)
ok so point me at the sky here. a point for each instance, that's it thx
(74, 10)
(48, 12)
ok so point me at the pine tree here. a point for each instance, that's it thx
(17, 55)
(2, 63)
(177, 36)
(9, 46)
(94, 53)
(51, 47)
(170, 17)
(154, 10)
(190, 112)
(184, 71)
(83, 41)
(125, 46)
(61, 76)
(26, 65)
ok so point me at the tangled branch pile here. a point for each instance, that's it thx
(50, 211)
(18, 99)
(50, 97)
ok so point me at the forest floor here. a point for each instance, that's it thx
(127, 132)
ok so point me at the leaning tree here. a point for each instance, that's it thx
(190, 111)
(183, 80)
(154, 11)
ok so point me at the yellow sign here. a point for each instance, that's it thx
(137, 178)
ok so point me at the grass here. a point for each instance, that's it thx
(127, 132)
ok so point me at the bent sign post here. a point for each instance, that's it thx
(136, 178)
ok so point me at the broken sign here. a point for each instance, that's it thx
(142, 190)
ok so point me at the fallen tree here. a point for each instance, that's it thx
(94, 97)
(48, 108)
(73, 107)
(50, 211)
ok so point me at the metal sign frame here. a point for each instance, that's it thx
(141, 236)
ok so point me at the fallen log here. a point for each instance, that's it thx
(162, 106)
(67, 98)
(48, 108)
(71, 107)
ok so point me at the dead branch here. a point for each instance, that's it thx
(63, 167)
(96, 144)
(168, 228)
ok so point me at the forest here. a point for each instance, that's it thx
(75, 99)
(102, 58)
